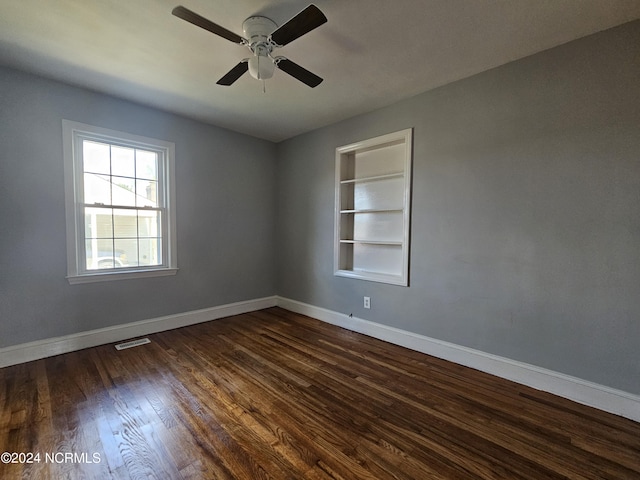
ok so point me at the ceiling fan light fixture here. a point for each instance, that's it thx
(261, 67)
(262, 36)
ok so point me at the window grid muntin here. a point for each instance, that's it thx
(161, 209)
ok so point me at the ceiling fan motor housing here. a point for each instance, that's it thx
(257, 30)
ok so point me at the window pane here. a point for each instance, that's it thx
(126, 252)
(98, 223)
(147, 193)
(124, 191)
(99, 254)
(150, 251)
(122, 161)
(149, 223)
(125, 223)
(95, 157)
(97, 189)
(146, 164)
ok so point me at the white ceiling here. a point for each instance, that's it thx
(371, 53)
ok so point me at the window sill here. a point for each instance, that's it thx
(128, 275)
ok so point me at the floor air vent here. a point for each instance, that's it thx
(132, 343)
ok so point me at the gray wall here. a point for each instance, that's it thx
(225, 184)
(525, 233)
(525, 219)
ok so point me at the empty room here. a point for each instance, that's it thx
(364, 239)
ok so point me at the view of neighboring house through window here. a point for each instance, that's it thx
(122, 219)
(122, 216)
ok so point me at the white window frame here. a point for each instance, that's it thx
(73, 135)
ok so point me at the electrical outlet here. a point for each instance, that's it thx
(367, 302)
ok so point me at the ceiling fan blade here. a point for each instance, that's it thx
(234, 74)
(299, 73)
(308, 19)
(195, 19)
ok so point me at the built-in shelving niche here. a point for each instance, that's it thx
(372, 213)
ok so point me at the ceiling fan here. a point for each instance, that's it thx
(262, 36)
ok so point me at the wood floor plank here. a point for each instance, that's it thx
(277, 395)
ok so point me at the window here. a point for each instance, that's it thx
(119, 203)
(372, 212)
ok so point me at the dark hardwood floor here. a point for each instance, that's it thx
(276, 395)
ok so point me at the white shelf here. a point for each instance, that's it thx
(374, 242)
(373, 193)
(372, 179)
(373, 210)
(373, 276)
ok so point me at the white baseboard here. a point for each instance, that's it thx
(27, 352)
(587, 393)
